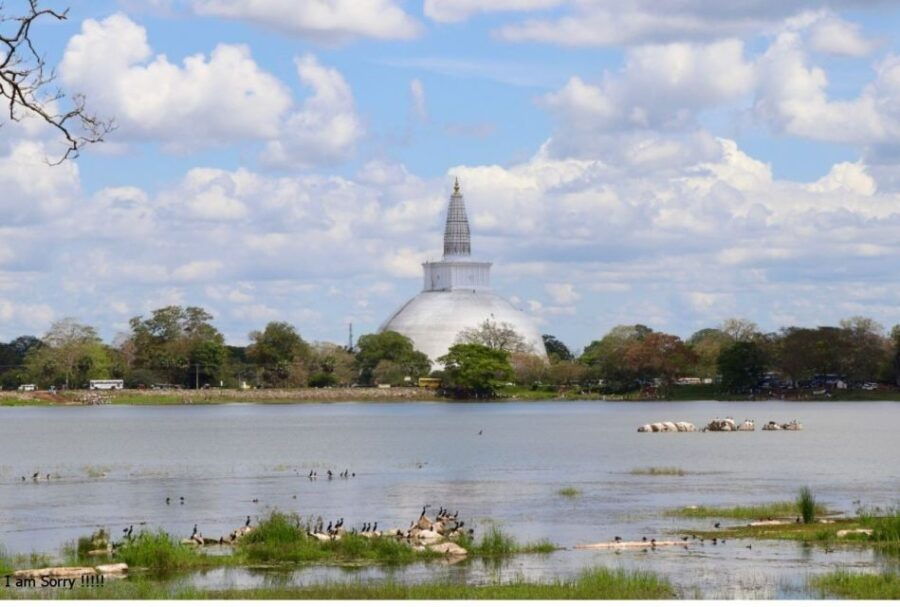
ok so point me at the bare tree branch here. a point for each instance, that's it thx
(25, 81)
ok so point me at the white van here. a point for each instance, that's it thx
(107, 384)
(27, 388)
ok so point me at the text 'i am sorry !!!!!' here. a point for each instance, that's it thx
(46, 581)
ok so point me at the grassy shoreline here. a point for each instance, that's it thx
(220, 396)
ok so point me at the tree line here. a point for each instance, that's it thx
(180, 346)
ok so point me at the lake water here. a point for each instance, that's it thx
(113, 466)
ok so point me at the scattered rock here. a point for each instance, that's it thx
(448, 548)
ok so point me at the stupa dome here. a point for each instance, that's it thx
(456, 295)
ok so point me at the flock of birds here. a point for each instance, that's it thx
(314, 475)
(444, 524)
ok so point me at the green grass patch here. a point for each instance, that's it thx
(496, 543)
(282, 538)
(161, 553)
(863, 586)
(569, 492)
(658, 471)
(751, 512)
(599, 583)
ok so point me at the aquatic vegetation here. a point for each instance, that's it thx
(598, 583)
(806, 505)
(658, 471)
(751, 512)
(863, 586)
(161, 553)
(569, 492)
(282, 538)
(497, 543)
(5, 563)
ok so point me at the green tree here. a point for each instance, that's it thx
(373, 348)
(176, 343)
(335, 362)
(474, 370)
(71, 354)
(707, 344)
(12, 360)
(280, 354)
(605, 358)
(556, 349)
(742, 366)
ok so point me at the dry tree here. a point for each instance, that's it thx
(26, 83)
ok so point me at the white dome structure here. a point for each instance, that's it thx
(456, 295)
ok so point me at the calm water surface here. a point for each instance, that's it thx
(113, 466)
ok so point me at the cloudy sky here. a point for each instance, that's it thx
(623, 161)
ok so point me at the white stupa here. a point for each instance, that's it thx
(457, 295)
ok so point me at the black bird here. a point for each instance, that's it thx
(329, 475)
(643, 539)
(364, 527)
(375, 526)
(455, 514)
(195, 531)
(618, 539)
(716, 525)
(168, 500)
(294, 496)
(247, 523)
(715, 541)
(255, 500)
(423, 511)
(182, 499)
(329, 526)
(723, 540)
(684, 538)
(23, 479)
(310, 475)
(749, 547)
(480, 432)
(34, 476)
(354, 475)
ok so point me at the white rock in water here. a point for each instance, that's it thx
(448, 548)
(429, 537)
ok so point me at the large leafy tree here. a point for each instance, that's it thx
(707, 344)
(390, 346)
(658, 357)
(605, 358)
(742, 366)
(474, 370)
(332, 365)
(280, 354)
(12, 360)
(71, 354)
(179, 345)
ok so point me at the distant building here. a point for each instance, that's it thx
(457, 295)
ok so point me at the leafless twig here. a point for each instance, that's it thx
(25, 80)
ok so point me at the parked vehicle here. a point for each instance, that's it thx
(106, 384)
(27, 388)
(870, 385)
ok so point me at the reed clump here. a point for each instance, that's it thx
(749, 512)
(806, 505)
(569, 492)
(495, 543)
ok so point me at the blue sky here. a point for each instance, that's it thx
(674, 164)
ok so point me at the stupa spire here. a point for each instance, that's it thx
(457, 241)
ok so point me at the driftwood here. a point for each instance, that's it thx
(71, 572)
